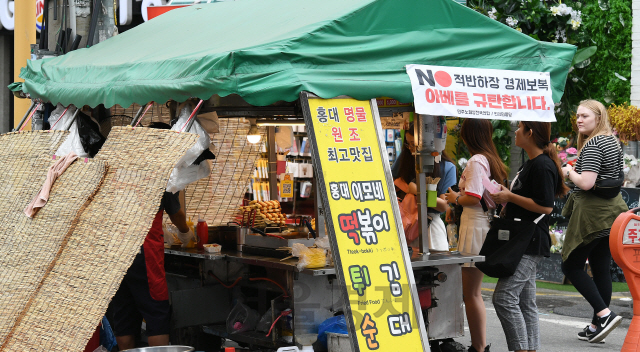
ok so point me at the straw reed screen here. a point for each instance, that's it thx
(26, 157)
(24, 152)
(85, 275)
(32, 245)
(217, 197)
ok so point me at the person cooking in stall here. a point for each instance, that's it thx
(143, 293)
(404, 176)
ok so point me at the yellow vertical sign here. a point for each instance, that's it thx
(24, 35)
(370, 254)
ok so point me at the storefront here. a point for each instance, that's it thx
(334, 49)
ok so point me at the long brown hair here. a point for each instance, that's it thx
(476, 135)
(602, 122)
(541, 132)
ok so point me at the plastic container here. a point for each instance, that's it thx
(432, 195)
(440, 141)
(241, 319)
(452, 237)
(212, 248)
(191, 243)
(203, 233)
(288, 349)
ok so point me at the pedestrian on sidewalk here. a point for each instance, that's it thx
(533, 191)
(591, 216)
(474, 223)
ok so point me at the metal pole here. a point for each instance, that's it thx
(273, 163)
(73, 119)
(194, 114)
(97, 6)
(138, 114)
(33, 104)
(424, 164)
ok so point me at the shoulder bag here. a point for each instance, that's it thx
(504, 246)
(608, 188)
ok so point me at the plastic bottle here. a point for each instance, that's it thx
(440, 140)
(203, 233)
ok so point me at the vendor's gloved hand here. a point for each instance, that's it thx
(185, 237)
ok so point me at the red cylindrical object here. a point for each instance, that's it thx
(424, 294)
(203, 233)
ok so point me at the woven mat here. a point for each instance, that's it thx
(109, 232)
(22, 153)
(217, 197)
(32, 245)
(25, 159)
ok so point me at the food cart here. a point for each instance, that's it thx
(259, 59)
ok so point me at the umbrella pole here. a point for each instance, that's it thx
(139, 115)
(24, 118)
(73, 119)
(192, 117)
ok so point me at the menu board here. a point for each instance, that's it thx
(364, 225)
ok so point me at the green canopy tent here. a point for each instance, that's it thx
(271, 50)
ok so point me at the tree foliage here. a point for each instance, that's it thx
(601, 29)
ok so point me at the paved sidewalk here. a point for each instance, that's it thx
(572, 304)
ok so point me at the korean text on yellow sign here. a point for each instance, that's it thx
(370, 250)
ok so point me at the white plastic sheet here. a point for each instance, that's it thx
(184, 172)
(72, 143)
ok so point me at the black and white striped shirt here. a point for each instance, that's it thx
(602, 155)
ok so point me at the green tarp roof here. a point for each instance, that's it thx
(270, 50)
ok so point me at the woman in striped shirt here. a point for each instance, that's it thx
(591, 216)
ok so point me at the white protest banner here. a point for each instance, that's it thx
(482, 93)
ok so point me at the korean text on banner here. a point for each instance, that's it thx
(482, 93)
(370, 254)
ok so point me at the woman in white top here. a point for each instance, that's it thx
(474, 223)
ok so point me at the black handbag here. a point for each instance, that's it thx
(504, 246)
(608, 188)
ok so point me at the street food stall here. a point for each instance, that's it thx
(286, 61)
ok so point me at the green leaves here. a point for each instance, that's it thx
(593, 73)
(499, 133)
(583, 54)
(501, 139)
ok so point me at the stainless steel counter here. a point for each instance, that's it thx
(417, 261)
